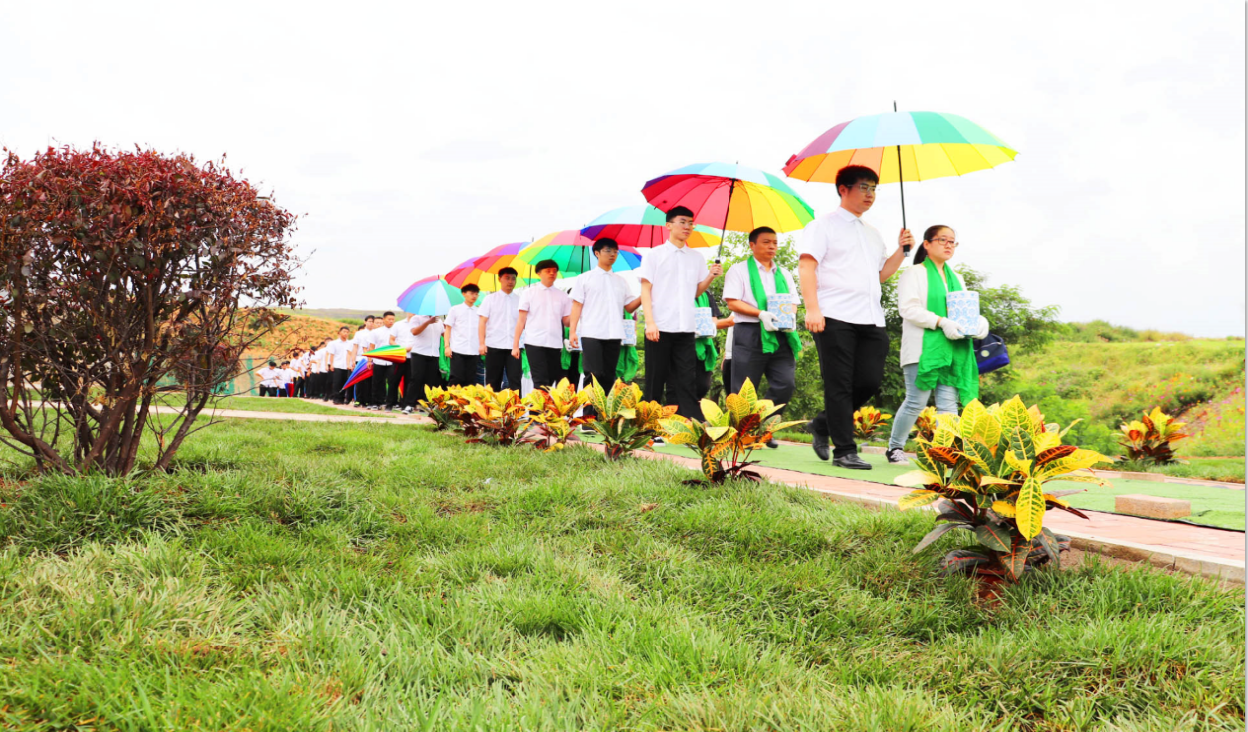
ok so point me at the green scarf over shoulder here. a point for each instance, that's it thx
(708, 354)
(770, 341)
(626, 367)
(946, 362)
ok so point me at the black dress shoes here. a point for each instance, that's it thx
(818, 441)
(772, 444)
(852, 462)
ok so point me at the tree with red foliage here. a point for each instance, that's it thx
(121, 268)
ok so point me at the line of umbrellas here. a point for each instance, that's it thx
(898, 146)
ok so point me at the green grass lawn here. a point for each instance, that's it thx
(363, 577)
(294, 406)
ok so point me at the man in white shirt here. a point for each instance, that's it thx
(325, 370)
(758, 348)
(385, 375)
(286, 380)
(496, 318)
(463, 338)
(340, 356)
(426, 333)
(600, 298)
(544, 310)
(843, 262)
(363, 341)
(672, 277)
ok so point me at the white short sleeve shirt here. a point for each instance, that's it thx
(546, 308)
(737, 286)
(501, 311)
(427, 342)
(363, 340)
(465, 339)
(338, 351)
(380, 336)
(268, 376)
(673, 274)
(403, 333)
(850, 254)
(602, 296)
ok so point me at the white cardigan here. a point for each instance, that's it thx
(915, 317)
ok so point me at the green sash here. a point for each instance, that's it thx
(444, 363)
(946, 362)
(708, 354)
(626, 367)
(770, 341)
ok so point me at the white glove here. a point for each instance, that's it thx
(981, 331)
(952, 330)
(768, 320)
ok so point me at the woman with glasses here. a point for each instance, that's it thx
(936, 356)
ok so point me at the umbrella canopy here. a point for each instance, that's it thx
(642, 226)
(932, 145)
(482, 271)
(363, 370)
(571, 251)
(430, 296)
(730, 197)
(393, 354)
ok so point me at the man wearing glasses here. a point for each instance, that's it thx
(843, 261)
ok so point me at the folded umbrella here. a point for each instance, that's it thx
(363, 370)
(393, 354)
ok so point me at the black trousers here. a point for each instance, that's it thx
(383, 391)
(573, 372)
(337, 379)
(780, 366)
(545, 365)
(851, 363)
(422, 372)
(464, 369)
(325, 389)
(726, 374)
(671, 369)
(398, 372)
(599, 360)
(500, 364)
(364, 391)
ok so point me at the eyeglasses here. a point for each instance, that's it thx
(866, 188)
(946, 242)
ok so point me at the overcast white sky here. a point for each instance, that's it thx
(414, 135)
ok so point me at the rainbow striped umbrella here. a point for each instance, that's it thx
(363, 370)
(931, 145)
(730, 197)
(482, 271)
(571, 251)
(430, 296)
(927, 145)
(393, 354)
(642, 226)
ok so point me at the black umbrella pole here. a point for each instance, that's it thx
(901, 183)
(724, 231)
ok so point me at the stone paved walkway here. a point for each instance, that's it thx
(1184, 547)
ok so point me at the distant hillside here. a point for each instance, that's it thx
(341, 313)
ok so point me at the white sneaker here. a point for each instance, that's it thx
(659, 441)
(897, 456)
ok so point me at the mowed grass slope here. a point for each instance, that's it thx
(378, 577)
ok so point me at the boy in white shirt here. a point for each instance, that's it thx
(544, 310)
(286, 380)
(385, 375)
(600, 298)
(496, 317)
(672, 277)
(363, 340)
(463, 340)
(268, 380)
(340, 357)
(426, 333)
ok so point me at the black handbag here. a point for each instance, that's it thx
(991, 353)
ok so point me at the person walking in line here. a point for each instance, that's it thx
(426, 333)
(496, 324)
(340, 356)
(843, 261)
(600, 298)
(759, 349)
(463, 338)
(385, 376)
(403, 337)
(544, 310)
(268, 380)
(286, 380)
(936, 356)
(363, 340)
(672, 277)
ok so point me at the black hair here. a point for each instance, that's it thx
(759, 232)
(272, 363)
(932, 231)
(368, 318)
(470, 288)
(605, 243)
(678, 211)
(359, 328)
(388, 314)
(852, 175)
(508, 271)
(347, 328)
(285, 363)
(545, 264)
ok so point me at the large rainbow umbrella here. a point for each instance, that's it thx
(731, 197)
(901, 146)
(642, 226)
(430, 296)
(482, 271)
(571, 251)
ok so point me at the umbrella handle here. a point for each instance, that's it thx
(901, 183)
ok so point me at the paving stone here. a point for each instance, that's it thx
(1138, 504)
